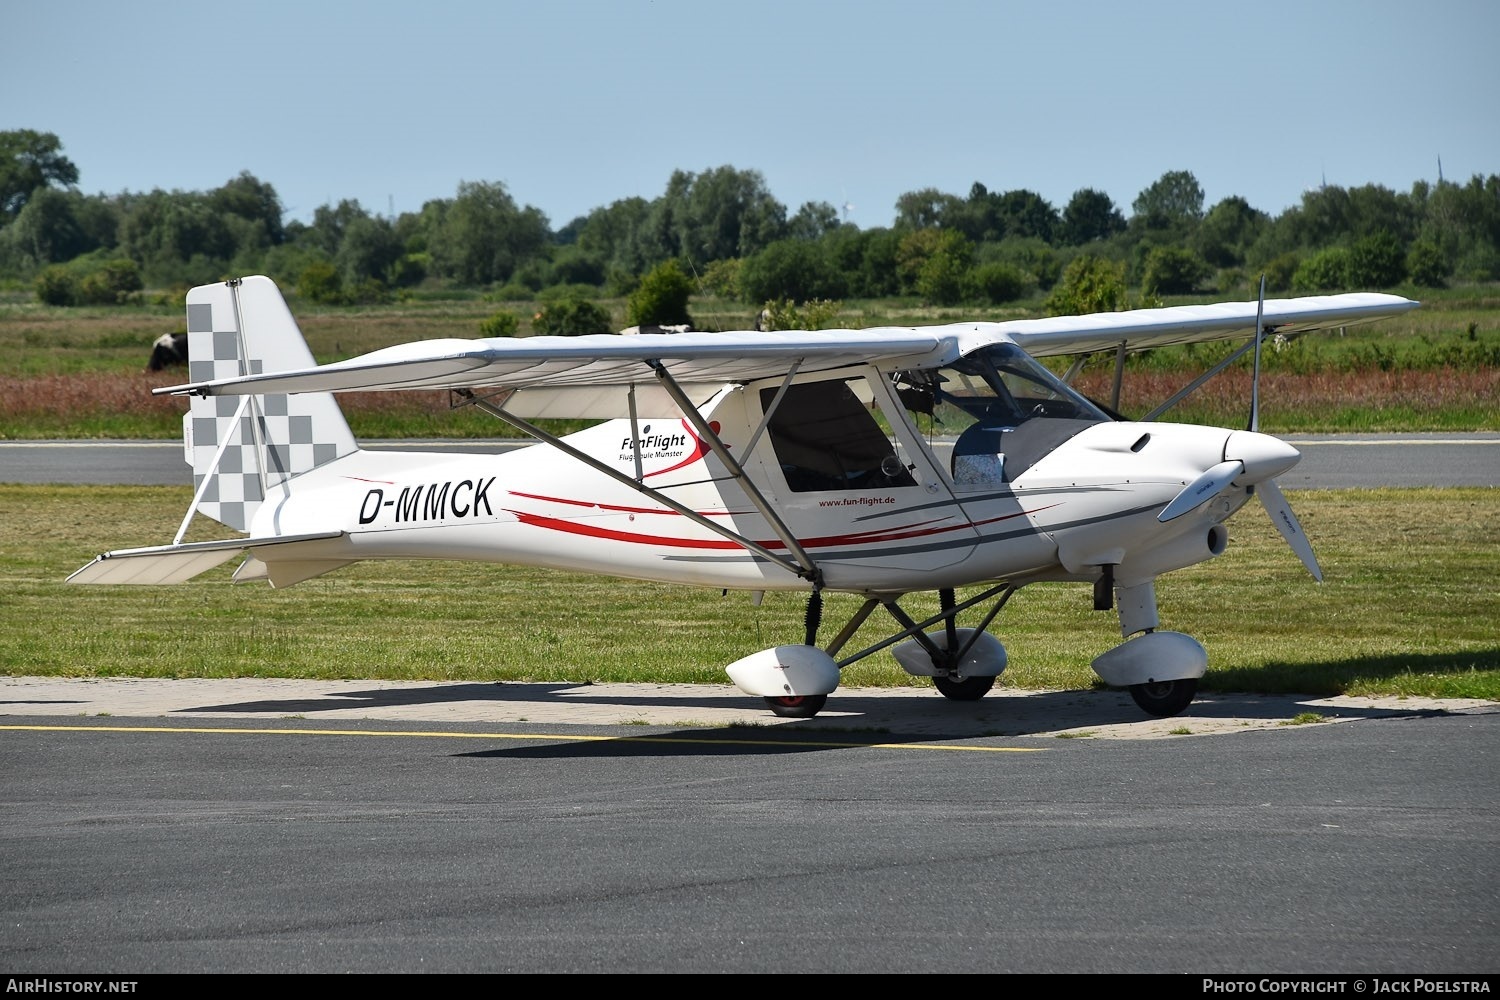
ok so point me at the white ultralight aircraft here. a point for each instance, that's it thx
(879, 462)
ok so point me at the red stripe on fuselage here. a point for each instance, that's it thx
(637, 538)
(616, 508)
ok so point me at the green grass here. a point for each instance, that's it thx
(1303, 719)
(1409, 606)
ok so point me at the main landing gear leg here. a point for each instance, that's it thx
(969, 688)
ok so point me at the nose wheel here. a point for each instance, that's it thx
(797, 706)
(1164, 698)
(968, 689)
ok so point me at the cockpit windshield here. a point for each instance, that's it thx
(1000, 408)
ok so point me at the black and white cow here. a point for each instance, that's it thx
(631, 331)
(169, 351)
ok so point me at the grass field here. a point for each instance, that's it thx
(1409, 606)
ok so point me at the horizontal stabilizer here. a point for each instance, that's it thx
(286, 572)
(164, 564)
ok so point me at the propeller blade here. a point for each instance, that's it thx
(1205, 487)
(1274, 501)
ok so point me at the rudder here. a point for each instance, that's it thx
(243, 447)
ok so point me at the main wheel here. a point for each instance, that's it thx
(803, 706)
(1165, 698)
(968, 689)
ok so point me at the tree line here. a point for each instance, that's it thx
(721, 232)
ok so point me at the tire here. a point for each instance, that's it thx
(968, 689)
(798, 706)
(1165, 698)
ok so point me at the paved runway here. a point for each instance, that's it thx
(251, 831)
(1329, 461)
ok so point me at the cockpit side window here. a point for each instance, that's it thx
(1000, 410)
(825, 438)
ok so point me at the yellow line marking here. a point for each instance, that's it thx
(672, 740)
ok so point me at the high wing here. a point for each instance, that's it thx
(588, 376)
(1140, 329)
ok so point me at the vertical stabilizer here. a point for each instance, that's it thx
(244, 447)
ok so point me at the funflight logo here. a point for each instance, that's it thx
(674, 444)
(659, 444)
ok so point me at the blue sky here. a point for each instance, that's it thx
(574, 104)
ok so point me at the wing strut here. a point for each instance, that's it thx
(1260, 308)
(1188, 389)
(803, 566)
(916, 629)
(1114, 394)
(810, 569)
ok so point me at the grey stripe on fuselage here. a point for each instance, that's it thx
(886, 550)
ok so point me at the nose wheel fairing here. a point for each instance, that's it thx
(1152, 657)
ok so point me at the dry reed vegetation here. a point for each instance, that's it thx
(120, 405)
(79, 373)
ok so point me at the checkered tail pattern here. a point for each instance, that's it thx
(238, 328)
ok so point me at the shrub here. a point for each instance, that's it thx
(410, 269)
(90, 280)
(1426, 266)
(365, 292)
(1478, 263)
(795, 270)
(501, 324)
(1032, 257)
(572, 317)
(57, 286)
(784, 314)
(320, 282)
(661, 299)
(941, 279)
(1326, 270)
(1172, 271)
(722, 278)
(1089, 285)
(1279, 272)
(512, 291)
(1375, 262)
(113, 283)
(995, 283)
